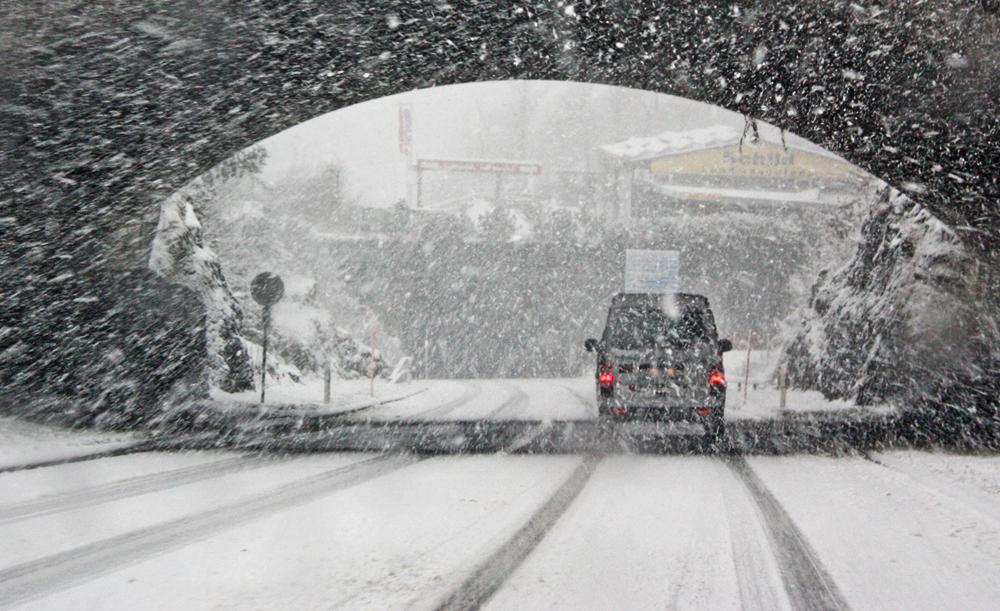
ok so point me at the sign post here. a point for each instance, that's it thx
(266, 289)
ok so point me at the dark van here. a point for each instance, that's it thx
(660, 357)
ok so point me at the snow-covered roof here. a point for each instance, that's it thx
(671, 142)
(675, 142)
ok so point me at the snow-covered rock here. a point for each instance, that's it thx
(904, 321)
(179, 254)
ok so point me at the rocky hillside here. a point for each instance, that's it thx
(904, 321)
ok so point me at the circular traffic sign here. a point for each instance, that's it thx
(267, 289)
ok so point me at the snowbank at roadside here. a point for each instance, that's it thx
(307, 395)
(23, 442)
(755, 394)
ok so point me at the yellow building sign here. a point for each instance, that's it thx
(763, 159)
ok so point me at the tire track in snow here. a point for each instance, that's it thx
(59, 571)
(135, 448)
(472, 391)
(806, 580)
(528, 437)
(126, 488)
(487, 578)
(757, 573)
(583, 400)
(145, 445)
(363, 408)
(517, 397)
(589, 404)
(524, 439)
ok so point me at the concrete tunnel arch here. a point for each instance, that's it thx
(109, 107)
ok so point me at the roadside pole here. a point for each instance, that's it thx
(371, 391)
(782, 386)
(327, 375)
(746, 370)
(427, 351)
(263, 358)
(266, 289)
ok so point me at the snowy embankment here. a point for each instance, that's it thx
(23, 442)
(755, 394)
(291, 389)
(306, 397)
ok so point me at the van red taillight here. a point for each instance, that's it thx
(716, 378)
(606, 378)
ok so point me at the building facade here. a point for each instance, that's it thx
(711, 170)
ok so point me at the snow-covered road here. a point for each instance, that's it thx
(610, 529)
(206, 530)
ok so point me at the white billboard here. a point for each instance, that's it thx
(652, 271)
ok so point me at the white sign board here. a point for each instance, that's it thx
(652, 271)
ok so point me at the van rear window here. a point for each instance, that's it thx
(634, 328)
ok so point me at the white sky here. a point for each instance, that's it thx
(553, 122)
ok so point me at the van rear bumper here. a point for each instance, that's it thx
(677, 413)
(662, 399)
